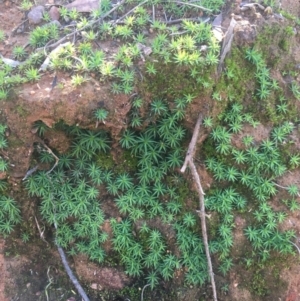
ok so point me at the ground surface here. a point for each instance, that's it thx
(33, 271)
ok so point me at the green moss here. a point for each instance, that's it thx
(127, 162)
(21, 111)
(14, 141)
(172, 81)
(284, 44)
(274, 41)
(258, 284)
(132, 293)
(265, 277)
(105, 161)
(238, 79)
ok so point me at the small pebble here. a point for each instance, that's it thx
(35, 16)
(54, 13)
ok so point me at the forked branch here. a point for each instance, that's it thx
(192, 145)
(189, 161)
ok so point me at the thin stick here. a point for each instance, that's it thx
(186, 19)
(203, 226)
(280, 186)
(189, 161)
(192, 145)
(56, 158)
(153, 13)
(286, 188)
(71, 275)
(40, 231)
(142, 295)
(129, 12)
(296, 247)
(15, 29)
(194, 5)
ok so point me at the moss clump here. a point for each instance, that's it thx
(274, 42)
(105, 160)
(127, 162)
(166, 83)
(237, 80)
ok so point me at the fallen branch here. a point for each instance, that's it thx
(192, 145)
(71, 275)
(189, 161)
(203, 227)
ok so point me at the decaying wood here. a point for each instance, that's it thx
(226, 46)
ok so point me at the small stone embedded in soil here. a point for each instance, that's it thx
(3, 175)
(35, 16)
(54, 13)
(96, 286)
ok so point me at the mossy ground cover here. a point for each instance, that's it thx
(149, 193)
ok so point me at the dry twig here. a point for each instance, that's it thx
(296, 247)
(71, 275)
(41, 231)
(189, 161)
(192, 145)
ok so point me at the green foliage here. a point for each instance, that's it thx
(32, 74)
(101, 114)
(9, 215)
(256, 167)
(25, 237)
(295, 90)
(178, 70)
(2, 36)
(41, 35)
(19, 52)
(40, 127)
(26, 5)
(3, 165)
(93, 142)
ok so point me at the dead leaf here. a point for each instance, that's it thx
(84, 6)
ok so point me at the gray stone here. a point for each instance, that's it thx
(35, 16)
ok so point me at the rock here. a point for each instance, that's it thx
(35, 16)
(54, 13)
(57, 23)
(3, 175)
